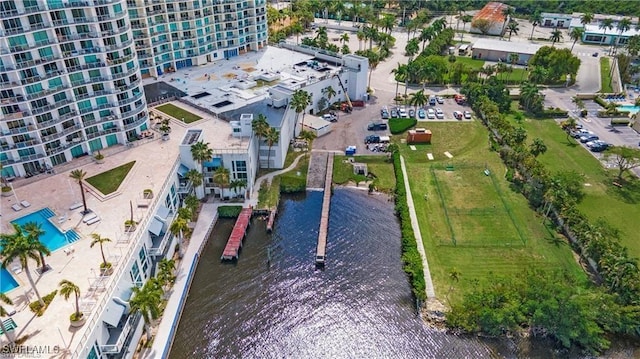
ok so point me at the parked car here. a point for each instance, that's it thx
(421, 113)
(467, 115)
(440, 100)
(580, 133)
(412, 113)
(385, 115)
(371, 139)
(439, 113)
(394, 114)
(403, 113)
(329, 117)
(377, 126)
(431, 114)
(595, 54)
(587, 138)
(458, 115)
(599, 148)
(432, 101)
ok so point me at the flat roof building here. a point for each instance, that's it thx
(556, 20)
(500, 51)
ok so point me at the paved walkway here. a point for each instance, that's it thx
(180, 291)
(253, 201)
(431, 293)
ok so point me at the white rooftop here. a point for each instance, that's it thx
(506, 46)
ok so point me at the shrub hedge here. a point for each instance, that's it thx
(229, 211)
(399, 125)
(410, 255)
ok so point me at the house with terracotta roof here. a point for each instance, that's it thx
(490, 20)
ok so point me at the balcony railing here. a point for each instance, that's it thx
(122, 337)
(43, 109)
(166, 238)
(64, 132)
(136, 122)
(108, 131)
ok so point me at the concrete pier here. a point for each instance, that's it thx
(324, 217)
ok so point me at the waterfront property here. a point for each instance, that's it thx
(234, 243)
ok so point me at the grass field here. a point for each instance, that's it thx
(379, 166)
(490, 243)
(605, 78)
(473, 207)
(603, 199)
(108, 182)
(178, 113)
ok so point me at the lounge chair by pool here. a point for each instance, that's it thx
(93, 220)
(16, 269)
(89, 217)
(25, 204)
(16, 207)
(75, 206)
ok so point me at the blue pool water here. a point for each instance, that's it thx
(632, 109)
(52, 238)
(7, 282)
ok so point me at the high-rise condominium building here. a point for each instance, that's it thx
(71, 70)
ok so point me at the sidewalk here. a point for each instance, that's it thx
(431, 293)
(253, 201)
(184, 275)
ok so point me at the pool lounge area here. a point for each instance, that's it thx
(53, 238)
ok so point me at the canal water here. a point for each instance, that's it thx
(272, 303)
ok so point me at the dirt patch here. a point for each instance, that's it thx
(248, 69)
(229, 76)
(207, 77)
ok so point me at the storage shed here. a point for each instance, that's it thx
(316, 125)
(419, 135)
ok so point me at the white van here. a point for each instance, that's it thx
(431, 114)
(385, 139)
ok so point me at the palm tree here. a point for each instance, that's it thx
(300, 100)
(308, 136)
(401, 74)
(19, 246)
(418, 99)
(146, 301)
(34, 231)
(426, 35)
(606, 24)
(575, 35)
(388, 21)
(179, 227)
(222, 177)
(538, 75)
(272, 137)
(79, 175)
(236, 184)
(260, 127)
(465, 20)
(412, 48)
(4, 313)
(537, 147)
(513, 28)
(361, 37)
(330, 92)
(192, 203)
(569, 125)
(297, 29)
(201, 152)
(454, 275)
(97, 239)
(67, 288)
(586, 18)
(344, 39)
(165, 271)
(556, 35)
(624, 25)
(536, 19)
(195, 178)
(513, 58)
(507, 12)
(374, 60)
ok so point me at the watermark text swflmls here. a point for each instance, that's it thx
(28, 351)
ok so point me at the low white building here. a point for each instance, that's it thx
(556, 20)
(500, 51)
(317, 125)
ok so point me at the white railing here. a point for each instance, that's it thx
(120, 269)
(117, 347)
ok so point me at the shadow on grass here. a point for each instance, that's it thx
(628, 191)
(571, 144)
(552, 236)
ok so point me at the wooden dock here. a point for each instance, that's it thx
(232, 249)
(272, 219)
(324, 217)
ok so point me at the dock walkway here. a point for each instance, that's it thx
(234, 243)
(324, 217)
(316, 173)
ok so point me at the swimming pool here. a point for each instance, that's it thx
(52, 238)
(630, 108)
(7, 282)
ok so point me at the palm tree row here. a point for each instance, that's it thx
(271, 135)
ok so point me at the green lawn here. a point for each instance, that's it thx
(605, 78)
(269, 195)
(496, 231)
(378, 166)
(470, 62)
(603, 200)
(108, 182)
(178, 113)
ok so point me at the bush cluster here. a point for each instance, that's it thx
(229, 211)
(412, 263)
(399, 125)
